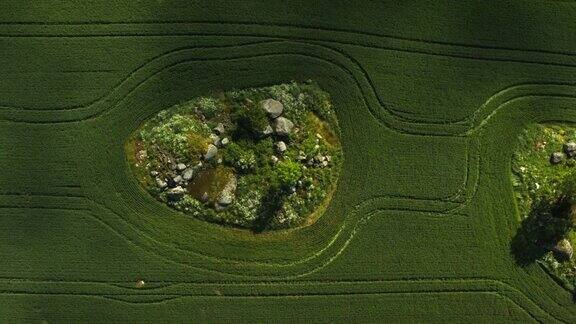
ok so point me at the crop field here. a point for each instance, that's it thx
(430, 97)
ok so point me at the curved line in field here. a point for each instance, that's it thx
(355, 223)
(399, 115)
(493, 286)
(217, 23)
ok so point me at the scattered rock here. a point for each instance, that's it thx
(228, 193)
(324, 163)
(281, 147)
(563, 250)
(154, 173)
(219, 129)
(140, 284)
(267, 131)
(181, 166)
(210, 152)
(176, 193)
(273, 107)
(215, 139)
(274, 159)
(224, 141)
(178, 179)
(161, 183)
(570, 149)
(556, 157)
(283, 126)
(188, 174)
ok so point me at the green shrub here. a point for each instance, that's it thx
(209, 107)
(237, 156)
(288, 173)
(250, 119)
(172, 135)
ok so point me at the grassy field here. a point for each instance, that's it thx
(430, 99)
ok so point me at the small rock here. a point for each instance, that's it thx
(274, 159)
(140, 284)
(228, 193)
(224, 141)
(188, 174)
(283, 126)
(181, 166)
(178, 179)
(563, 250)
(328, 158)
(154, 173)
(273, 107)
(267, 131)
(176, 193)
(570, 149)
(281, 147)
(210, 152)
(161, 183)
(292, 189)
(219, 129)
(215, 139)
(556, 157)
(319, 136)
(324, 163)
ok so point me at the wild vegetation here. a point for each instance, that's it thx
(262, 159)
(544, 179)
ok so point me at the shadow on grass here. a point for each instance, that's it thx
(546, 224)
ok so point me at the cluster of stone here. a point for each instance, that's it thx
(175, 185)
(218, 140)
(569, 151)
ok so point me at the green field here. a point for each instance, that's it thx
(430, 98)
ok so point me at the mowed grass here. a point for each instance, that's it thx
(430, 98)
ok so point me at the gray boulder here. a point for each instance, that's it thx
(570, 149)
(274, 159)
(188, 174)
(219, 129)
(181, 166)
(228, 194)
(273, 107)
(281, 147)
(210, 152)
(161, 183)
(215, 139)
(176, 193)
(556, 157)
(267, 131)
(563, 250)
(283, 126)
